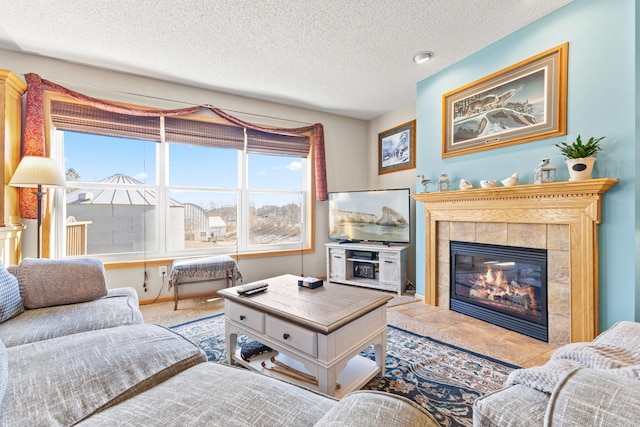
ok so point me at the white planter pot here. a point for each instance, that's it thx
(580, 168)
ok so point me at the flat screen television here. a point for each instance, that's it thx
(370, 216)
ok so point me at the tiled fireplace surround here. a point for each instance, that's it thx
(553, 237)
(560, 217)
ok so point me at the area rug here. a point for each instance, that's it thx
(445, 379)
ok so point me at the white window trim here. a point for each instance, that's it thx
(58, 226)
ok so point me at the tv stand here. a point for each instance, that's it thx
(380, 267)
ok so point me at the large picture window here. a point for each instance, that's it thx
(168, 186)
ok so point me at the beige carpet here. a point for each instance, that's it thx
(162, 313)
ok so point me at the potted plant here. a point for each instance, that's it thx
(580, 156)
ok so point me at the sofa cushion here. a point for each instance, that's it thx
(624, 334)
(374, 408)
(63, 380)
(621, 358)
(514, 406)
(10, 300)
(4, 370)
(49, 282)
(591, 397)
(119, 307)
(214, 394)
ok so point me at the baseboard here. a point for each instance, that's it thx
(167, 298)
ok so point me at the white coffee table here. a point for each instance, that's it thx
(319, 332)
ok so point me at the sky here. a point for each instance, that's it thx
(96, 157)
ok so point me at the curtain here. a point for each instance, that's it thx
(33, 143)
(34, 139)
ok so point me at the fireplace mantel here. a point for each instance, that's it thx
(574, 203)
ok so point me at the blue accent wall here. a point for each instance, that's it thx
(602, 100)
(637, 160)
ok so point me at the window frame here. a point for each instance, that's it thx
(57, 227)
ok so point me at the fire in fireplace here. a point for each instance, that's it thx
(503, 285)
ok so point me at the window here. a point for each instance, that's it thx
(153, 187)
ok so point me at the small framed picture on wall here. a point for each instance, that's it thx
(397, 148)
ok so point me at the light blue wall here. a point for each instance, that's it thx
(601, 102)
(637, 158)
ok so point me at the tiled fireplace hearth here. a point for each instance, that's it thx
(559, 217)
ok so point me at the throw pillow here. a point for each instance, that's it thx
(10, 300)
(51, 282)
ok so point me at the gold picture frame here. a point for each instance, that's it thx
(522, 103)
(397, 148)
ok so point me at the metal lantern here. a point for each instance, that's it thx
(545, 172)
(443, 183)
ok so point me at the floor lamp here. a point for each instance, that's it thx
(37, 172)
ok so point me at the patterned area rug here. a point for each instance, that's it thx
(443, 378)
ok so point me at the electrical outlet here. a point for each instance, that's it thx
(162, 270)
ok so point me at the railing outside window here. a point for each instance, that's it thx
(77, 237)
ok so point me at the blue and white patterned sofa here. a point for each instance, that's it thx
(80, 355)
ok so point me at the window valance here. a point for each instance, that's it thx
(260, 139)
(84, 118)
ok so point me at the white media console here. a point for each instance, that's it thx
(368, 265)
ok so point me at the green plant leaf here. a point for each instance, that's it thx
(578, 149)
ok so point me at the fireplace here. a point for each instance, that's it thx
(561, 217)
(503, 285)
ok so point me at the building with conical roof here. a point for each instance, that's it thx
(123, 219)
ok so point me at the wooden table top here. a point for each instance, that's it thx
(322, 309)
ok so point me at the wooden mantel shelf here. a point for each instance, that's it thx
(553, 189)
(574, 203)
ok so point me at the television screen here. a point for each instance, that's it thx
(371, 216)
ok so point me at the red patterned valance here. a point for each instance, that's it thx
(34, 141)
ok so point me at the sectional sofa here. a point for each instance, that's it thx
(74, 353)
(583, 384)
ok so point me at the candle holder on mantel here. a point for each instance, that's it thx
(443, 183)
(545, 172)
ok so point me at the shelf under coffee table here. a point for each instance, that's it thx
(317, 331)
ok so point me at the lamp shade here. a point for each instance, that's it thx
(37, 170)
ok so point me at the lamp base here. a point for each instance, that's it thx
(39, 194)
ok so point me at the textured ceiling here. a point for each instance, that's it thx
(348, 57)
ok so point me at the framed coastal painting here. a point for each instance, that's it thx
(397, 148)
(524, 102)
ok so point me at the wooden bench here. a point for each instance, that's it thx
(200, 270)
